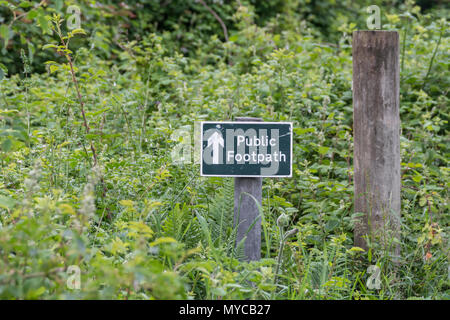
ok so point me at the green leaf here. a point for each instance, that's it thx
(6, 145)
(331, 225)
(25, 4)
(78, 31)
(233, 38)
(162, 240)
(7, 202)
(300, 131)
(126, 203)
(4, 68)
(43, 22)
(4, 31)
(53, 68)
(356, 249)
(8, 111)
(32, 14)
(5, 35)
(34, 294)
(49, 45)
(323, 150)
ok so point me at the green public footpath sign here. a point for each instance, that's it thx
(246, 149)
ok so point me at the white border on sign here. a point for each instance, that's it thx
(244, 176)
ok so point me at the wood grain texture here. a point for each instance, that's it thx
(248, 211)
(376, 132)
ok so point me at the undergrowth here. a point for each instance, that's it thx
(88, 180)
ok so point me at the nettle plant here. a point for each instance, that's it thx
(88, 181)
(63, 48)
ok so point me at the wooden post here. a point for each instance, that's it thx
(248, 211)
(376, 130)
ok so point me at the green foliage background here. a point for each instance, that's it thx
(140, 226)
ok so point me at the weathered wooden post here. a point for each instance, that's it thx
(248, 211)
(376, 129)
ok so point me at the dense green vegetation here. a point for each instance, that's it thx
(89, 118)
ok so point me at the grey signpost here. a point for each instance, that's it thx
(247, 150)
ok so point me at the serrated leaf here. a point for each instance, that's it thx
(300, 131)
(78, 31)
(43, 22)
(139, 228)
(323, 150)
(53, 68)
(162, 240)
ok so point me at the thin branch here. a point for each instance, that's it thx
(80, 99)
(224, 27)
